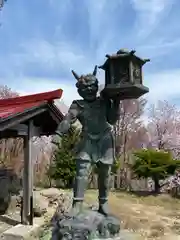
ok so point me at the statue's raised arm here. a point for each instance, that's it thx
(68, 120)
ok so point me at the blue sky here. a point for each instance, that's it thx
(42, 40)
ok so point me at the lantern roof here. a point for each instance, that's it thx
(124, 54)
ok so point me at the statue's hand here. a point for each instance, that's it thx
(56, 139)
(116, 100)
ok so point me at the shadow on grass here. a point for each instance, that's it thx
(144, 193)
(9, 221)
(139, 193)
(152, 193)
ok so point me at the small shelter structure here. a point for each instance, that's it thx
(26, 117)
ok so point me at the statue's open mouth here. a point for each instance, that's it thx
(90, 95)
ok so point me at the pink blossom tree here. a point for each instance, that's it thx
(163, 127)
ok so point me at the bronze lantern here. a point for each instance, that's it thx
(123, 75)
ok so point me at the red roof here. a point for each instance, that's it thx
(12, 106)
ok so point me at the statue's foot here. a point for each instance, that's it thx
(104, 208)
(76, 208)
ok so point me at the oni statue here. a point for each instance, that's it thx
(96, 114)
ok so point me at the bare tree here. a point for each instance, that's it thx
(6, 92)
(10, 149)
(43, 151)
(129, 131)
(129, 125)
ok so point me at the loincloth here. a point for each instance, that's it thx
(96, 149)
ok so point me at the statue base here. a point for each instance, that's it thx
(87, 224)
(124, 91)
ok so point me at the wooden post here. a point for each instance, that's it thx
(27, 214)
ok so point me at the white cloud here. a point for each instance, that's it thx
(158, 47)
(63, 55)
(59, 55)
(163, 85)
(38, 85)
(149, 14)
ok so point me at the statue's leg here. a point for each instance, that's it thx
(81, 180)
(103, 186)
(106, 159)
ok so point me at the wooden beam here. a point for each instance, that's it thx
(8, 134)
(22, 129)
(28, 176)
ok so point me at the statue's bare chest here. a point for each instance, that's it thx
(93, 112)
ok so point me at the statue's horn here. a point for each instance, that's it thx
(95, 71)
(75, 75)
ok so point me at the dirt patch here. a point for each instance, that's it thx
(151, 217)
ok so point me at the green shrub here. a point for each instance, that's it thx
(155, 164)
(64, 167)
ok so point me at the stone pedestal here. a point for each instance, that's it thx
(87, 224)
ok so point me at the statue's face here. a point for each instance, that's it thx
(88, 87)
